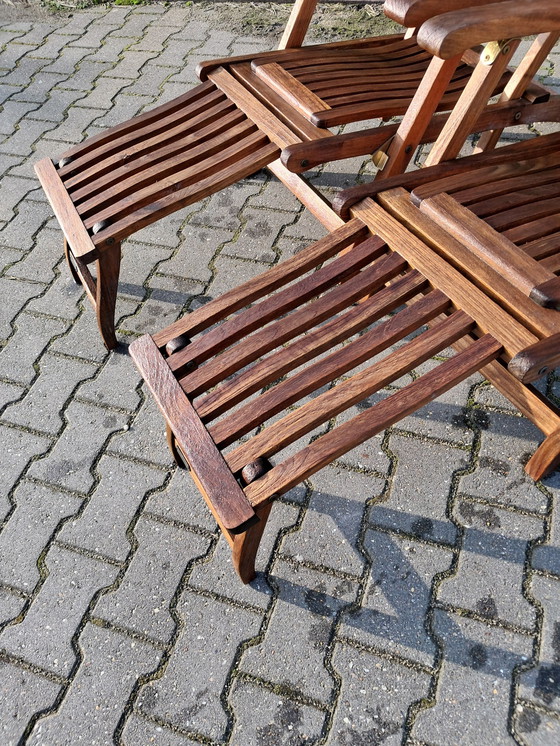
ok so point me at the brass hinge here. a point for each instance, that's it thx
(380, 156)
(493, 49)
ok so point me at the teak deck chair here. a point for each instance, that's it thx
(248, 110)
(259, 387)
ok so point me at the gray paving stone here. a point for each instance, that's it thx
(18, 448)
(10, 392)
(12, 113)
(41, 407)
(83, 340)
(138, 262)
(187, 695)
(12, 190)
(140, 730)
(418, 498)
(20, 233)
(116, 383)
(499, 475)
(40, 87)
(541, 684)
(63, 296)
(474, 685)
(92, 707)
(546, 555)
(53, 46)
(374, 698)
(145, 439)
(70, 461)
(223, 209)
(44, 637)
(131, 64)
(22, 694)
(20, 75)
(494, 546)
(309, 602)
(66, 60)
(74, 128)
(369, 454)
(28, 132)
(535, 727)
(443, 418)
(264, 717)
(329, 533)
(38, 512)
(195, 253)
(398, 596)
(11, 605)
(258, 235)
(95, 34)
(157, 566)
(86, 75)
(102, 525)
(32, 335)
(180, 501)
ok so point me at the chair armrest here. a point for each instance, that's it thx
(451, 33)
(415, 12)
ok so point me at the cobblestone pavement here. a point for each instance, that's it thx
(407, 594)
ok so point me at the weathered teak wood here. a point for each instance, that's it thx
(273, 360)
(242, 116)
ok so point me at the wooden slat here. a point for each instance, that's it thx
(357, 388)
(134, 137)
(171, 142)
(149, 191)
(538, 321)
(149, 213)
(209, 470)
(273, 307)
(278, 132)
(488, 315)
(131, 126)
(419, 114)
(520, 151)
(338, 363)
(295, 93)
(327, 336)
(259, 286)
(510, 261)
(66, 214)
(367, 424)
(307, 195)
(298, 23)
(152, 173)
(520, 80)
(283, 329)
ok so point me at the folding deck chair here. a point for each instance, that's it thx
(245, 381)
(249, 109)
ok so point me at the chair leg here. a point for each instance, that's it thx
(108, 266)
(546, 458)
(245, 545)
(172, 445)
(68, 254)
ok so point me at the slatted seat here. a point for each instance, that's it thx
(259, 387)
(234, 123)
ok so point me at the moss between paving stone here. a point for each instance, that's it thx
(331, 21)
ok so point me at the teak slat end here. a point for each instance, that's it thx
(215, 480)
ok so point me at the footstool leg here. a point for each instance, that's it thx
(68, 254)
(546, 458)
(245, 546)
(172, 445)
(108, 266)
